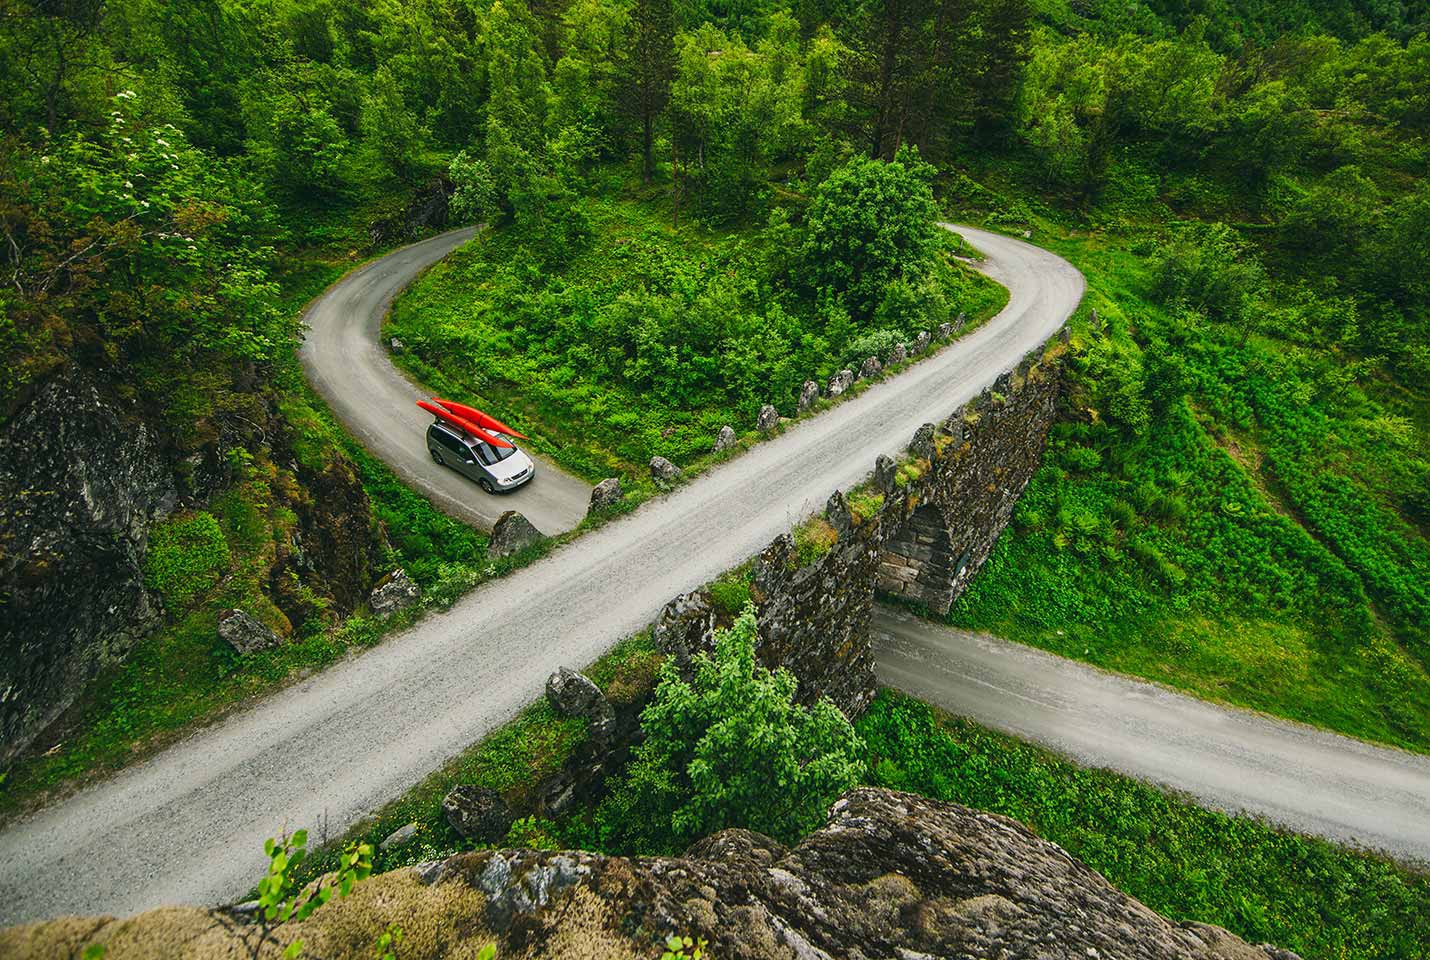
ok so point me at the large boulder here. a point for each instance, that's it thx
(685, 626)
(573, 694)
(890, 875)
(394, 592)
(897, 355)
(768, 419)
(477, 813)
(921, 342)
(945, 330)
(840, 382)
(244, 633)
(663, 472)
(808, 394)
(725, 439)
(512, 534)
(607, 493)
(871, 368)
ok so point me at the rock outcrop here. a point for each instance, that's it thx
(891, 875)
(425, 212)
(83, 477)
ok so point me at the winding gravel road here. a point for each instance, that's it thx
(187, 826)
(1236, 761)
(345, 361)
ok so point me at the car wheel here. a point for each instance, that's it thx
(436, 457)
(486, 485)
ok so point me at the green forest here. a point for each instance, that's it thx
(690, 207)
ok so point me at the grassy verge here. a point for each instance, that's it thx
(648, 341)
(1229, 511)
(1313, 897)
(514, 760)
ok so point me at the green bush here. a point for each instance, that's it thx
(729, 748)
(186, 557)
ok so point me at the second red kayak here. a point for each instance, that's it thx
(473, 415)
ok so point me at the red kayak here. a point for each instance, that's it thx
(473, 415)
(462, 423)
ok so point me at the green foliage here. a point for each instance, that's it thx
(388, 942)
(186, 556)
(813, 538)
(683, 948)
(281, 897)
(871, 223)
(1310, 896)
(730, 748)
(1231, 521)
(730, 593)
(647, 342)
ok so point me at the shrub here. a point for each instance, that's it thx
(730, 748)
(871, 223)
(186, 557)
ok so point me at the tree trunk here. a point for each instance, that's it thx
(648, 160)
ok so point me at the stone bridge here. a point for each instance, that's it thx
(917, 531)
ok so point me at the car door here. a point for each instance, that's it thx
(467, 463)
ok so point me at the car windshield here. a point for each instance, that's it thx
(489, 454)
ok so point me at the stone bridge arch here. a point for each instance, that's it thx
(921, 559)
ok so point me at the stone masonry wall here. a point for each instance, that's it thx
(943, 526)
(943, 510)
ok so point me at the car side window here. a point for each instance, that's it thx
(449, 441)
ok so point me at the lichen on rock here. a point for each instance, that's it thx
(889, 875)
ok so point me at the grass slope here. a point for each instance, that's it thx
(1186, 862)
(1231, 512)
(647, 342)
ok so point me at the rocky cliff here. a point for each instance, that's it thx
(83, 477)
(890, 875)
(79, 485)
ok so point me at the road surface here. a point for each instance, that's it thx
(188, 825)
(1308, 780)
(344, 357)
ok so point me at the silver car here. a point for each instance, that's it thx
(496, 469)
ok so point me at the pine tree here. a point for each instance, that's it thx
(649, 71)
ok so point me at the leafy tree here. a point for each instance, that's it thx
(390, 126)
(730, 748)
(647, 76)
(1210, 270)
(871, 222)
(732, 110)
(141, 257)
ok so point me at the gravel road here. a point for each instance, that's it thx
(187, 826)
(346, 361)
(1237, 761)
